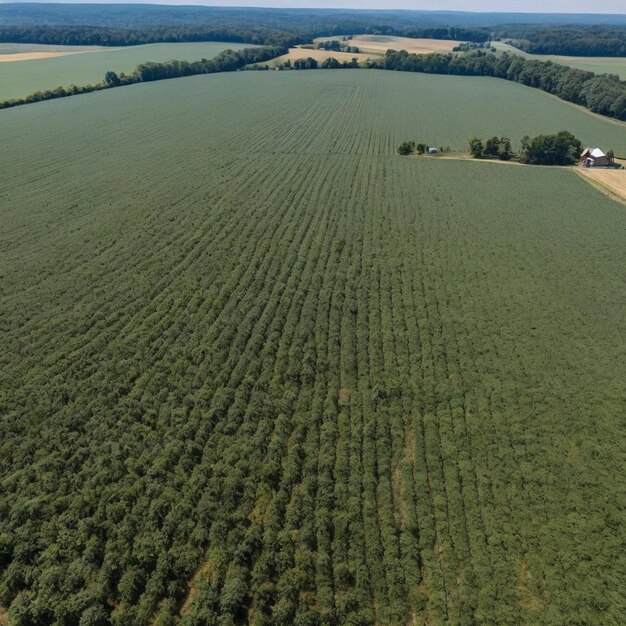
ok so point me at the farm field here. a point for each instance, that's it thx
(318, 55)
(385, 106)
(22, 77)
(379, 44)
(599, 65)
(369, 46)
(256, 367)
(11, 52)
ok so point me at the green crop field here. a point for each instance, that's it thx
(21, 48)
(20, 78)
(377, 110)
(598, 65)
(257, 368)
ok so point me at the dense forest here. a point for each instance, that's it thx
(135, 15)
(579, 41)
(105, 36)
(126, 25)
(129, 25)
(288, 35)
(604, 94)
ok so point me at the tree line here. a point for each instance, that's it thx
(309, 63)
(227, 61)
(105, 36)
(250, 33)
(562, 148)
(604, 94)
(118, 26)
(589, 41)
(334, 45)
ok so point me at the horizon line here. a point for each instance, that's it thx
(307, 8)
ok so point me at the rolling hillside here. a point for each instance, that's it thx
(255, 367)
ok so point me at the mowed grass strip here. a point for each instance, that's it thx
(255, 366)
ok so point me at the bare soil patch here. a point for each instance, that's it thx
(612, 182)
(30, 56)
(343, 396)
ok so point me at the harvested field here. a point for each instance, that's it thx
(318, 55)
(612, 181)
(379, 44)
(31, 56)
(11, 52)
(62, 66)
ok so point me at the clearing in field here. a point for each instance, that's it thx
(379, 44)
(314, 381)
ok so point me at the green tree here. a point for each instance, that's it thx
(560, 149)
(94, 616)
(111, 79)
(476, 147)
(21, 613)
(506, 151)
(492, 147)
(406, 147)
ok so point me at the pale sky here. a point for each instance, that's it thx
(509, 6)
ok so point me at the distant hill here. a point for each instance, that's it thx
(125, 15)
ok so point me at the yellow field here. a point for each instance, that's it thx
(379, 44)
(30, 56)
(318, 55)
(10, 52)
(613, 181)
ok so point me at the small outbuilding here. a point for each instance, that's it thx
(593, 157)
(432, 150)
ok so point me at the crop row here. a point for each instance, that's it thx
(307, 388)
